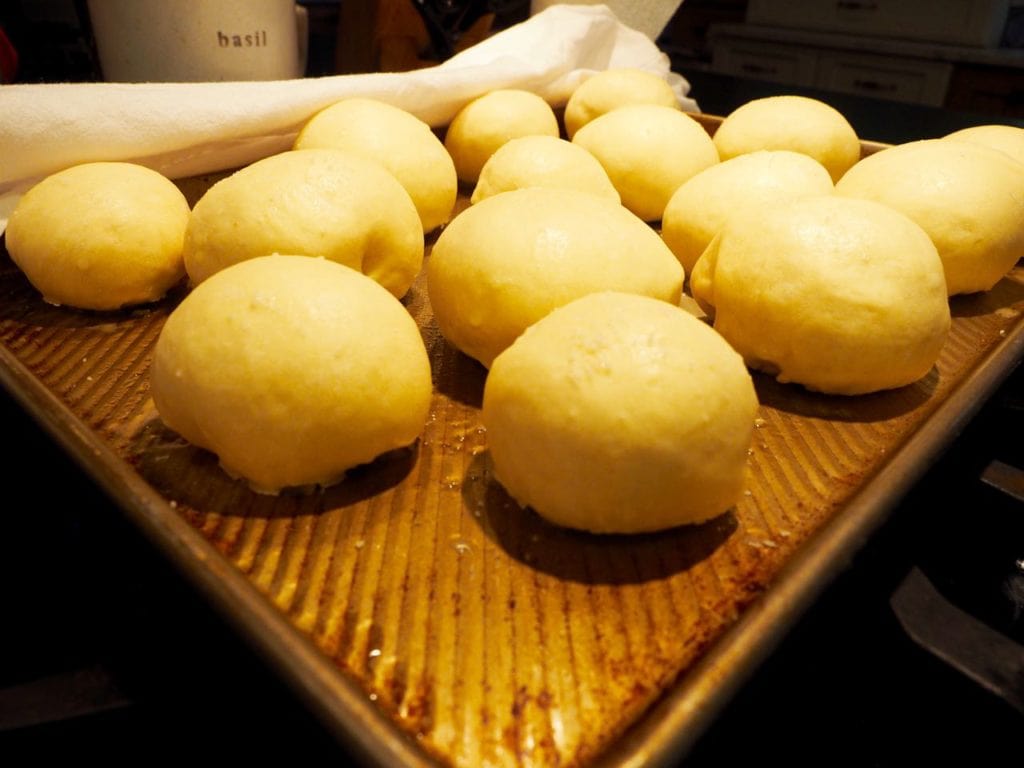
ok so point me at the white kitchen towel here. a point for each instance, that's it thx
(648, 16)
(184, 129)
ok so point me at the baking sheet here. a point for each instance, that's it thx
(426, 618)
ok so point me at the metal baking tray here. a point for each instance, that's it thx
(425, 618)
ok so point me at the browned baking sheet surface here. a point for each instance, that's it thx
(486, 636)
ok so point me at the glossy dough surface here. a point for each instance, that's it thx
(542, 161)
(614, 88)
(969, 198)
(489, 121)
(100, 236)
(698, 210)
(797, 123)
(396, 139)
(311, 202)
(507, 261)
(840, 295)
(619, 413)
(1005, 138)
(292, 370)
(648, 151)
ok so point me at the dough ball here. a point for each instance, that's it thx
(841, 295)
(100, 235)
(1005, 138)
(618, 413)
(507, 261)
(648, 152)
(798, 123)
(542, 161)
(313, 202)
(615, 88)
(396, 139)
(967, 197)
(700, 207)
(292, 370)
(489, 121)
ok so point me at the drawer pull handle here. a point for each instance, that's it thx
(856, 5)
(873, 85)
(757, 69)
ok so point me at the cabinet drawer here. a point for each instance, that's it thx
(905, 80)
(764, 61)
(964, 22)
(991, 90)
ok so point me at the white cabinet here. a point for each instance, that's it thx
(908, 71)
(959, 22)
(761, 60)
(884, 77)
(896, 78)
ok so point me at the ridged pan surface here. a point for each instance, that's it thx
(483, 634)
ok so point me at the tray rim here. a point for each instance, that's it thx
(324, 689)
(662, 735)
(672, 727)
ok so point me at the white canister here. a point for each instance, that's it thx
(199, 40)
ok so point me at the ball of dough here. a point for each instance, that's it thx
(618, 413)
(615, 88)
(841, 295)
(1005, 138)
(313, 202)
(967, 197)
(798, 123)
(100, 235)
(292, 370)
(700, 207)
(507, 261)
(396, 139)
(489, 121)
(542, 161)
(648, 152)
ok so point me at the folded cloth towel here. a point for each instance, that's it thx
(185, 129)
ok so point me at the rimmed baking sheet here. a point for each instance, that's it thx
(426, 618)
